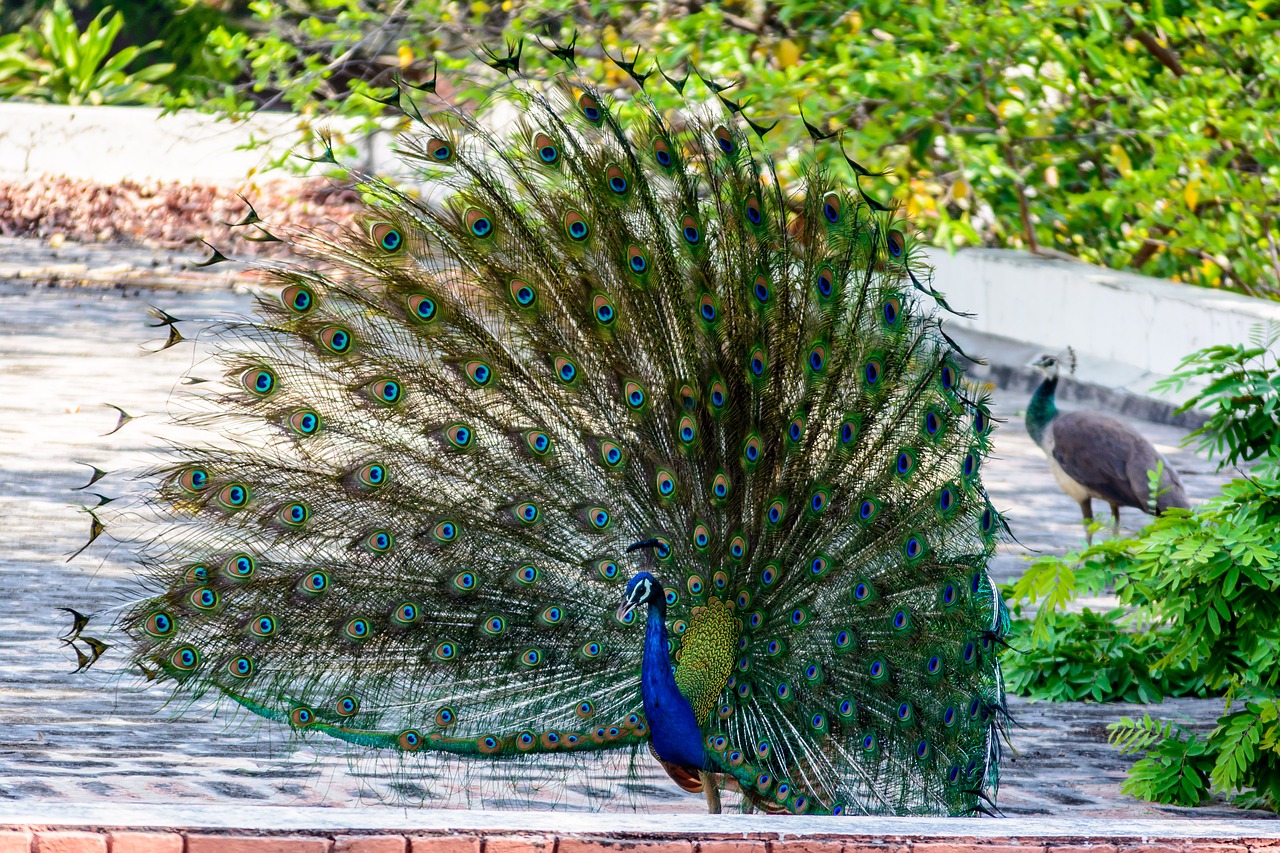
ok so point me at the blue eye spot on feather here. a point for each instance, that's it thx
(831, 207)
(637, 262)
(861, 592)
(662, 153)
(768, 575)
(872, 371)
(826, 282)
(878, 671)
(897, 244)
(616, 180)
(422, 307)
(599, 517)
(843, 640)
(409, 740)
(241, 567)
(479, 373)
(388, 392)
(531, 657)
(260, 382)
(198, 574)
(605, 313)
(717, 397)
(817, 358)
(818, 567)
(611, 454)
(634, 395)
(946, 499)
(737, 549)
(263, 626)
(194, 480)
(357, 629)
(905, 463)
(988, 521)
(932, 423)
(439, 150)
(868, 508)
(301, 717)
(777, 511)
(914, 547)
(478, 223)
(707, 308)
(298, 298)
(754, 215)
(295, 514)
(527, 512)
(575, 225)
(948, 377)
(185, 659)
(445, 651)
(523, 293)
(891, 309)
(934, 665)
(495, 625)
(445, 531)
(757, 363)
(761, 290)
(372, 476)
(241, 667)
(538, 442)
(980, 422)
(387, 237)
(591, 109)
(446, 717)
(548, 153)
(607, 569)
(204, 599)
(689, 230)
(725, 140)
(305, 422)
(566, 370)
(818, 501)
(460, 436)
(159, 624)
(751, 450)
(316, 582)
(528, 575)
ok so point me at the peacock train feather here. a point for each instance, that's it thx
(616, 442)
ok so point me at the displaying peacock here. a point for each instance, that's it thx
(616, 441)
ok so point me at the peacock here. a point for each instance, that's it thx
(1093, 455)
(617, 436)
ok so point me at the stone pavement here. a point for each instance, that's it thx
(76, 739)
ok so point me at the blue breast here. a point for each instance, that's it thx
(676, 735)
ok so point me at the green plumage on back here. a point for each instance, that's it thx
(408, 527)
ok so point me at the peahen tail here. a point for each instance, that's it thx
(406, 523)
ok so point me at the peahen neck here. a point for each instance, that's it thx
(677, 737)
(1042, 410)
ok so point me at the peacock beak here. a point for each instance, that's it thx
(625, 608)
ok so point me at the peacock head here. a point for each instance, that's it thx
(1049, 364)
(643, 588)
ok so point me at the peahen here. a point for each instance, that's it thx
(618, 441)
(1096, 456)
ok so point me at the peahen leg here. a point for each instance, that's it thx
(1086, 509)
(711, 790)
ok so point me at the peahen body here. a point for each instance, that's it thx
(1093, 455)
(436, 443)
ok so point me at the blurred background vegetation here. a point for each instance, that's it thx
(1135, 135)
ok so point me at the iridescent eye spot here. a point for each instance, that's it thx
(905, 462)
(439, 150)
(818, 501)
(194, 480)
(388, 392)
(751, 450)
(934, 665)
(446, 651)
(738, 548)
(988, 520)
(720, 487)
(301, 717)
(826, 282)
(527, 574)
(523, 293)
(877, 669)
(198, 574)
(591, 650)
(904, 711)
(872, 371)
(695, 585)
(185, 659)
(372, 476)
(843, 640)
(591, 109)
(671, 597)
(666, 484)
(817, 358)
(761, 290)
(305, 422)
(720, 580)
(204, 599)
(479, 373)
(263, 626)
(948, 377)
(813, 672)
(634, 395)
(611, 454)
(768, 575)
(546, 149)
(260, 382)
(608, 569)
(409, 740)
(932, 423)
(896, 243)
(604, 311)
(980, 422)
(538, 442)
(892, 308)
(861, 592)
(387, 237)
(725, 140)
(316, 582)
(357, 629)
(298, 298)
(422, 307)
(576, 226)
(914, 547)
(488, 744)
(686, 430)
(847, 708)
(566, 370)
(701, 537)
(552, 616)
(636, 260)
(866, 509)
(900, 620)
(599, 518)
(662, 153)
(757, 363)
(798, 617)
(478, 223)
(818, 567)
(707, 308)
(949, 594)
(689, 230)
(241, 566)
(495, 625)
(240, 667)
(445, 531)
(970, 653)
(294, 514)
(784, 690)
(159, 624)
(460, 436)
(754, 215)
(617, 180)
(970, 464)
(831, 207)
(848, 431)
(946, 499)
(717, 396)
(776, 511)
(531, 657)
(464, 581)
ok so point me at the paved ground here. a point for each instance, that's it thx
(68, 739)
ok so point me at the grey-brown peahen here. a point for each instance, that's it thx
(439, 439)
(1096, 456)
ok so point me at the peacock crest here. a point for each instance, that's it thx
(408, 525)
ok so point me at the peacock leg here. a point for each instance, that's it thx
(711, 790)
(1086, 509)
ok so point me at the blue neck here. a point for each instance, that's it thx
(677, 737)
(1042, 410)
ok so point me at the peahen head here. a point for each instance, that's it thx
(1049, 364)
(643, 588)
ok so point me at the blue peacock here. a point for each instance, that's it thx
(619, 441)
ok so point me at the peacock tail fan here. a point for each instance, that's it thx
(406, 524)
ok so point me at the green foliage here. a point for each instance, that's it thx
(1133, 135)
(1092, 656)
(1243, 396)
(57, 62)
(1176, 766)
